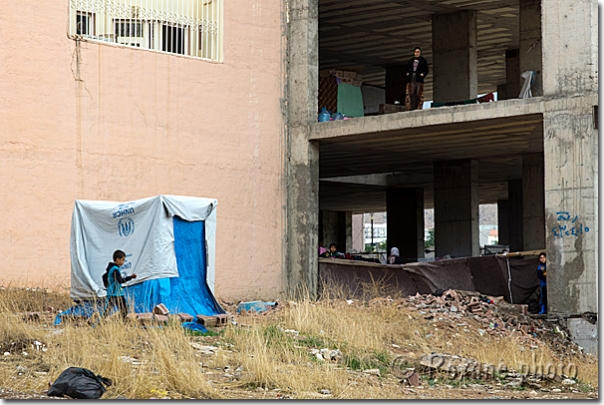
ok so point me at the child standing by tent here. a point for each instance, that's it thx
(115, 291)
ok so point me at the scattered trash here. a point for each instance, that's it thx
(325, 392)
(79, 383)
(373, 371)
(256, 306)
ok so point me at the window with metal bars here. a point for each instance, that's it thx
(182, 27)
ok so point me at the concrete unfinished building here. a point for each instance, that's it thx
(537, 158)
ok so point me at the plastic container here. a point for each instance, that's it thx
(324, 115)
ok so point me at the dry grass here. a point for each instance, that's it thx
(160, 362)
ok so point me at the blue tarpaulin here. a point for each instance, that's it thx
(188, 293)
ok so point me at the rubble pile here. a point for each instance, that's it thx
(496, 316)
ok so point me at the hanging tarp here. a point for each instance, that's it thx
(169, 243)
(488, 275)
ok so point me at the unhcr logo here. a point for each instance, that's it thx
(123, 210)
(126, 226)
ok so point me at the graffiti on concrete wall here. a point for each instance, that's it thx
(568, 226)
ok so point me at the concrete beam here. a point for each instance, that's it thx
(509, 109)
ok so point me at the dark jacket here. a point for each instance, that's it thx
(542, 273)
(422, 67)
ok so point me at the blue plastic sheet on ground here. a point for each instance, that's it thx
(256, 306)
(194, 326)
(189, 293)
(83, 309)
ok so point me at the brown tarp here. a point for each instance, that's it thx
(487, 275)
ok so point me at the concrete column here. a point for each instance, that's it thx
(454, 49)
(396, 83)
(570, 47)
(456, 208)
(512, 86)
(533, 214)
(328, 227)
(405, 209)
(503, 226)
(336, 227)
(570, 147)
(515, 220)
(530, 42)
(301, 180)
(571, 209)
(358, 233)
(345, 231)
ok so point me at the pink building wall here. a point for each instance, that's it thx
(102, 122)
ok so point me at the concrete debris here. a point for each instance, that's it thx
(335, 355)
(497, 318)
(207, 350)
(414, 379)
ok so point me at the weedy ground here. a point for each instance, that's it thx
(264, 356)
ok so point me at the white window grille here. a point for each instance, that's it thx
(183, 27)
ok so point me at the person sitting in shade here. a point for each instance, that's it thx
(333, 252)
(394, 257)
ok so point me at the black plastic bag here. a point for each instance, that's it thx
(80, 383)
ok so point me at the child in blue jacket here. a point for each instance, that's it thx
(542, 274)
(115, 291)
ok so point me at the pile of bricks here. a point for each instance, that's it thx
(162, 315)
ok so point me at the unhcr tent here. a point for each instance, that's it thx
(169, 243)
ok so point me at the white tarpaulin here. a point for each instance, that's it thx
(143, 229)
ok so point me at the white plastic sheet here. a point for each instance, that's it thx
(525, 91)
(143, 229)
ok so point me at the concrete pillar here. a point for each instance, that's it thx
(454, 51)
(396, 83)
(571, 210)
(515, 220)
(345, 231)
(570, 47)
(530, 42)
(570, 147)
(456, 208)
(503, 226)
(328, 227)
(512, 86)
(358, 233)
(405, 209)
(533, 214)
(336, 227)
(301, 180)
